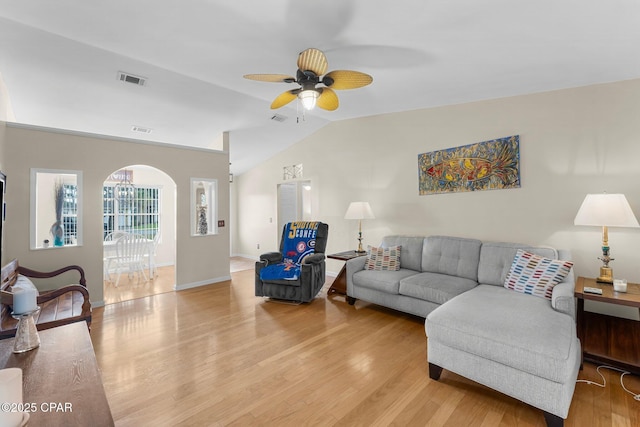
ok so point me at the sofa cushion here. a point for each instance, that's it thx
(536, 275)
(434, 287)
(383, 281)
(496, 259)
(383, 258)
(411, 252)
(509, 328)
(453, 256)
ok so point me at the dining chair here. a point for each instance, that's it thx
(130, 255)
(151, 255)
(109, 256)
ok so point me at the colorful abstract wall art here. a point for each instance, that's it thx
(488, 165)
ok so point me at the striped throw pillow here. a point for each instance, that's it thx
(383, 258)
(536, 275)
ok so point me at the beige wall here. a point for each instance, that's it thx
(199, 260)
(572, 142)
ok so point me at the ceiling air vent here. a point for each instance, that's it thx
(279, 118)
(130, 78)
(140, 129)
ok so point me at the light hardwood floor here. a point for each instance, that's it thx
(135, 287)
(217, 355)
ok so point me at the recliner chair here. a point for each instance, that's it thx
(308, 263)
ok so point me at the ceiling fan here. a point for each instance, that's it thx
(316, 87)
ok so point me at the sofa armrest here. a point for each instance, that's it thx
(353, 266)
(563, 299)
(563, 295)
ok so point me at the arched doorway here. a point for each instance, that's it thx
(139, 200)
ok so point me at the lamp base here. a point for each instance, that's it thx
(606, 275)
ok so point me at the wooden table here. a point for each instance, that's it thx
(608, 339)
(61, 379)
(339, 285)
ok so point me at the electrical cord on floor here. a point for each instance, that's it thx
(604, 381)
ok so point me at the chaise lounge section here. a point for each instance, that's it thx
(520, 344)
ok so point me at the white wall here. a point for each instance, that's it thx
(199, 260)
(6, 109)
(572, 142)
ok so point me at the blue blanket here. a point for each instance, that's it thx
(299, 242)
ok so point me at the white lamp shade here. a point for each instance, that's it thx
(611, 210)
(359, 210)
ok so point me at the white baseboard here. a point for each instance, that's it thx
(97, 303)
(253, 257)
(181, 287)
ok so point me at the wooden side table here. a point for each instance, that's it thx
(61, 378)
(339, 285)
(608, 339)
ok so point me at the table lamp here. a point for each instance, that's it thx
(606, 210)
(359, 211)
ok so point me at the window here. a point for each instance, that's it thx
(70, 213)
(137, 212)
(56, 208)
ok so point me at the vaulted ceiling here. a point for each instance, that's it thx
(60, 61)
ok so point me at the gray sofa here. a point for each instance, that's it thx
(521, 345)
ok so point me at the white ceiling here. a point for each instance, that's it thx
(59, 60)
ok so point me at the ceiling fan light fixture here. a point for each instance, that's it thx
(312, 71)
(308, 98)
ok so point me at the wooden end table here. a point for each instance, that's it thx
(339, 285)
(608, 339)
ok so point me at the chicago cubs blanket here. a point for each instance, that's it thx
(299, 241)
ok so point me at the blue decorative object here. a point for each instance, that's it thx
(57, 231)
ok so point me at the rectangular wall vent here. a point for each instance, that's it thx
(140, 129)
(279, 118)
(130, 78)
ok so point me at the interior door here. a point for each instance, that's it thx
(294, 203)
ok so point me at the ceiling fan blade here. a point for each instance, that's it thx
(274, 78)
(313, 60)
(283, 99)
(347, 79)
(328, 100)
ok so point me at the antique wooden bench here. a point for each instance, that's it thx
(67, 304)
